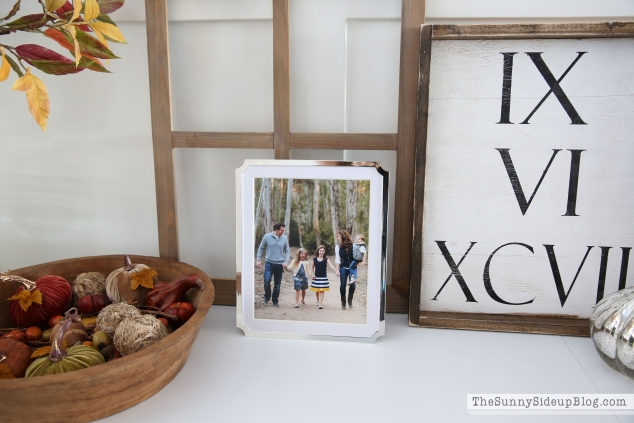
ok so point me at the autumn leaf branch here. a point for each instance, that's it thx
(69, 24)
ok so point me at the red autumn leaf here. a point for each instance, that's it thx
(108, 6)
(67, 7)
(58, 36)
(35, 52)
(89, 46)
(28, 22)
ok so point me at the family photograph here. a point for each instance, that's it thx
(311, 250)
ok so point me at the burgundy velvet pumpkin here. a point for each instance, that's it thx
(56, 296)
(93, 303)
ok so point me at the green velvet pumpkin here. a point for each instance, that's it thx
(62, 361)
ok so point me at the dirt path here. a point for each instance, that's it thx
(331, 313)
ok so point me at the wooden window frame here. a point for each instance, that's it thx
(482, 321)
(281, 140)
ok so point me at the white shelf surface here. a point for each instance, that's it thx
(410, 374)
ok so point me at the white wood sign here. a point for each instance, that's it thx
(528, 176)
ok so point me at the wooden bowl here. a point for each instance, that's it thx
(100, 391)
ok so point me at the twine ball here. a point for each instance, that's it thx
(137, 332)
(112, 315)
(89, 283)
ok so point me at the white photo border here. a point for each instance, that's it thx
(374, 326)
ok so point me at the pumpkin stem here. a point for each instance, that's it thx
(57, 349)
(127, 264)
(5, 277)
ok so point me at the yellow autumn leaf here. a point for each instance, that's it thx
(77, 4)
(36, 97)
(23, 83)
(41, 352)
(53, 5)
(26, 297)
(91, 10)
(100, 37)
(5, 68)
(109, 31)
(143, 277)
(5, 373)
(73, 34)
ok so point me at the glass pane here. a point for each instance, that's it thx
(222, 75)
(206, 200)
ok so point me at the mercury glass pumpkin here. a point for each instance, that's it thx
(612, 330)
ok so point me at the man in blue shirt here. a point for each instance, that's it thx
(277, 255)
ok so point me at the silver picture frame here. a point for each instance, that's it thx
(270, 327)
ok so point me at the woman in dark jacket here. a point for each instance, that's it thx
(343, 254)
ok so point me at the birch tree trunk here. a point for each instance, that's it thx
(287, 214)
(300, 219)
(267, 204)
(316, 212)
(258, 209)
(352, 198)
(334, 207)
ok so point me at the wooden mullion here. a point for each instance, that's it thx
(254, 140)
(341, 141)
(413, 15)
(533, 31)
(281, 80)
(161, 112)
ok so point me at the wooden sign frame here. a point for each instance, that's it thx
(282, 140)
(480, 321)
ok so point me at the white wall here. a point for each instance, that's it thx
(86, 186)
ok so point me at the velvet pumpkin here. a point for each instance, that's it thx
(130, 283)
(65, 360)
(35, 302)
(92, 303)
(15, 355)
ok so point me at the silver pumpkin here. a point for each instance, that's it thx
(612, 330)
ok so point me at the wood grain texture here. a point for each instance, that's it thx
(281, 80)
(100, 391)
(341, 141)
(161, 112)
(505, 323)
(257, 140)
(533, 31)
(225, 291)
(395, 302)
(419, 175)
(413, 15)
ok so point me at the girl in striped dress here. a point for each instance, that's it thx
(319, 283)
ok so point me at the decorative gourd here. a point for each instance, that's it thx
(75, 330)
(16, 335)
(92, 303)
(15, 356)
(88, 283)
(164, 295)
(612, 330)
(131, 283)
(35, 302)
(183, 311)
(61, 360)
